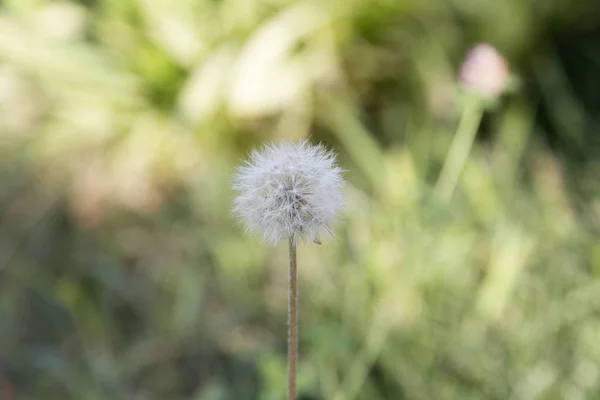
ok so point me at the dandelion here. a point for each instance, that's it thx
(290, 191)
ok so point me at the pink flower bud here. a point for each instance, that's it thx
(484, 71)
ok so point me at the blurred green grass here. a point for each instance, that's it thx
(123, 275)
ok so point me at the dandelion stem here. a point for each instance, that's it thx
(460, 149)
(292, 320)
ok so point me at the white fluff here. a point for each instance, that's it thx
(289, 190)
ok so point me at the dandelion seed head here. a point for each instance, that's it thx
(289, 190)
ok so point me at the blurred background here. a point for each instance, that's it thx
(467, 262)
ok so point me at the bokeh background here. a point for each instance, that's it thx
(124, 276)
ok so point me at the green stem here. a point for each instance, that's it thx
(292, 320)
(459, 152)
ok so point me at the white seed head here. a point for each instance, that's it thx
(289, 190)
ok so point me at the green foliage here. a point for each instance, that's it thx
(123, 275)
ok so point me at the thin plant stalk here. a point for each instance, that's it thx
(460, 149)
(292, 320)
